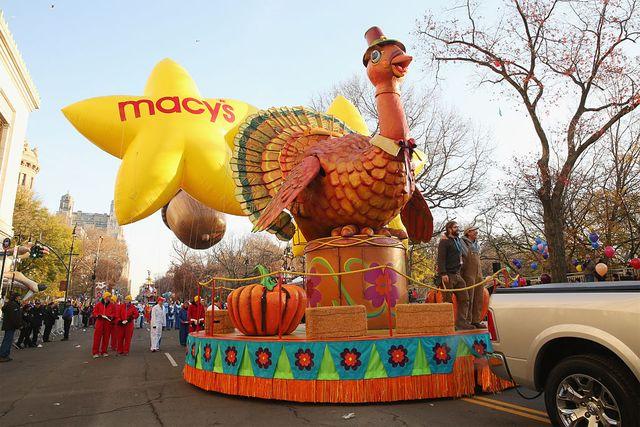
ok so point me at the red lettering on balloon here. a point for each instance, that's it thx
(228, 113)
(185, 105)
(174, 109)
(214, 111)
(136, 108)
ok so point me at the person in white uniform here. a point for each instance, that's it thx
(158, 321)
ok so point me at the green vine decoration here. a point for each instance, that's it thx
(267, 282)
(323, 262)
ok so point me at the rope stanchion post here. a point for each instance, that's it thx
(213, 308)
(506, 277)
(388, 301)
(280, 280)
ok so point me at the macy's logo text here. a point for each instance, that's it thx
(172, 104)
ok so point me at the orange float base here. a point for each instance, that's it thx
(461, 382)
(468, 373)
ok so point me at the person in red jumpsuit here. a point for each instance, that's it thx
(116, 328)
(196, 315)
(127, 315)
(104, 313)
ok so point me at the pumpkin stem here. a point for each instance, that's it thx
(267, 282)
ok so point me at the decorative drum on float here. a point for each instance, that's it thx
(373, 289)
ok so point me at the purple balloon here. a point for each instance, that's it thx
(593, 237)
(545, 255)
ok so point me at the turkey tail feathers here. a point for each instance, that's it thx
(267, 147)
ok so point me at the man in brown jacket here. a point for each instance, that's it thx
(471, 272)
(450, 251)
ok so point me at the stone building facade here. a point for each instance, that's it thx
(18, 99)
(29, 167)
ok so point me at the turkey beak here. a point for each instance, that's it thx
(400, 64)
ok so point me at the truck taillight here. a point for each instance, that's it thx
(491, 326)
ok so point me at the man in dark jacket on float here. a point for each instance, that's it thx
(11, 320)
(50, 316)
(36, 322)
(450, 252)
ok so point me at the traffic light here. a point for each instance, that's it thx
(38, 251)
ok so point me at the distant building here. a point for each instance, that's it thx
(19, 97)
(85, 220)
(108, 226)
(29, 167)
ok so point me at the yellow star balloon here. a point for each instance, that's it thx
(169, 138)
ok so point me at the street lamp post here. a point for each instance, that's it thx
(73, 240)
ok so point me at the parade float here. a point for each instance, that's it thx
(348, 201)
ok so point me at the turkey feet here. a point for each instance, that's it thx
(353, 230)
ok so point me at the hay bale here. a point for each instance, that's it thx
(336, 322)
(222, 323)
(432, 319)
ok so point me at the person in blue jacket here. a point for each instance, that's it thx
(170, 315)
(176, 311)
(183, 320)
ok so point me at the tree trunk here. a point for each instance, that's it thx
(554, 232)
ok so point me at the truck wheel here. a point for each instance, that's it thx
(591, 390)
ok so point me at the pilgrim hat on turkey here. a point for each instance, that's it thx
(375, 37)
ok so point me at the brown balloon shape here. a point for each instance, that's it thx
(196, 225)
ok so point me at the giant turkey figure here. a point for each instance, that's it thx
(334, 181)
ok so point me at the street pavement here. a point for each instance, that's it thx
(60, 384)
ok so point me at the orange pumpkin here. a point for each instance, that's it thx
(434, 296)
(485, 303)
(253, 309)
(437, 297)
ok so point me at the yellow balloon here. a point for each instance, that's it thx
(343, 109)
(169, 138)
(579, 267)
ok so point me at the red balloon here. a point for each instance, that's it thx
(635, 263)
(522, 281)
(609, 251)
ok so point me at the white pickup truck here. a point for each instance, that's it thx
(579, 343)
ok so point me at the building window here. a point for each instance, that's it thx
(24, 179)
(31, 184)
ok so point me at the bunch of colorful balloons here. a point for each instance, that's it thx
(541, 247)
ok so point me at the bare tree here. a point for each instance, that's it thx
(603, 196)
(545, 53)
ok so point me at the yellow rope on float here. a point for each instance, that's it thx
(364, 270)
(356, 241)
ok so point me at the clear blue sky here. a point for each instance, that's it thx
(267, 53)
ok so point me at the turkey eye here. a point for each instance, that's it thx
(375, 56)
